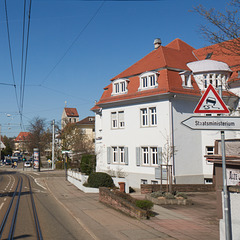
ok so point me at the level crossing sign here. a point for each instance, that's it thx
(211, 102)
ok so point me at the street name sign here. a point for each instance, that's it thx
(212, 123)
(211, 102)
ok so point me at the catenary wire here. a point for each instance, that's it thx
(10, 52)
(71, 45)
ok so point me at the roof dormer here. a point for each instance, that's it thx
(119, 86)
(148, 80)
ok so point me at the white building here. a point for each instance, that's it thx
(138, 118)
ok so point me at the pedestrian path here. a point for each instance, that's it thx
(102, 222)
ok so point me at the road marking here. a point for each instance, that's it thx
(1, 205)
(35, 173)
(4, 199)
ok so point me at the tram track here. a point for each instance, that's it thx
(20, 200)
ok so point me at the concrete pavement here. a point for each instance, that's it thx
(101, 222)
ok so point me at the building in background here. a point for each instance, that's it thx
(69, 115)
(138, 118)
(20, 142)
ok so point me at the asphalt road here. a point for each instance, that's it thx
(55, 221)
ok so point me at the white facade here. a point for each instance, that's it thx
(132, 133)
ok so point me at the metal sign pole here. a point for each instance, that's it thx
(225, 192)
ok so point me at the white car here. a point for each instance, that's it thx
(27, 164)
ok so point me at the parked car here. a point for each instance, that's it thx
(27, 164)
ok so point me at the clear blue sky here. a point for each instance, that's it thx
(76, 47)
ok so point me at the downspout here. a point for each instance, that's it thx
(172, 136)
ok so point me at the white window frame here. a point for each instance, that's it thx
(119, 86)
(154, 156)
(149, 156)
(148, 116)
(147, 82)
(117, 119)
(118, 155)
(186, 79)
(209, 152)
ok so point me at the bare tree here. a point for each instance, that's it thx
(73, 138)
(40, 135)
(223, 26)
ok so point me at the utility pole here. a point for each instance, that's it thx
(53, 145)
(0, 143)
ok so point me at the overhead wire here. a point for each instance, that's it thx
(10, 53)
(73, 42)
(25, 60)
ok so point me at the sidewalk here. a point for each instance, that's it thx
(101, 222)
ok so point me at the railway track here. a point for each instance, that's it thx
(20, 200)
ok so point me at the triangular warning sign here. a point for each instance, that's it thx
(211, 102)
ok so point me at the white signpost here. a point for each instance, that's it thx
(210, 103)
(213, 123)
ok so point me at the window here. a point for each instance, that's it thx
(117, 119)
(148, 80)
(119, 86)
(148, 117)
(186, 79)
(154, 156)
(117, 155)
(153, 116)
(114, 119)
(144, 181)
(154, 182)
(209, 150)
(150, 155)
(145, 156)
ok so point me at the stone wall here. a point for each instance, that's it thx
(149, 188)
(114, 200)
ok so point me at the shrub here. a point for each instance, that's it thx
(181, 194)
(157, 194)
(100, 179)
(88, 164)
(144, 204)
(169, 195)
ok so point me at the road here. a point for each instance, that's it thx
(55, 221)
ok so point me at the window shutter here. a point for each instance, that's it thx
(138, 156)
(157, 173)
(108, 155)
(159, 155)
(126, 155)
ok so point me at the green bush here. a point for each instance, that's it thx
(88, 164)
(157, 194)
(100, 179)
(169, 195)
(144, 204)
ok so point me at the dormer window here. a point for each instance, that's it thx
(186, 79)
(119, 86)
(148, 80)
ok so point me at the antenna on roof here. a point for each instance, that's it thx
(65, 104)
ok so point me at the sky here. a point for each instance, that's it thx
(75, 47)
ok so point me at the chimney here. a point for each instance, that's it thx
(157, 43)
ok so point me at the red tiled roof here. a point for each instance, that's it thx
(22, 136)
(87, 120)
(71, 112)
(168, 61)
(174, 55)
(221, 52)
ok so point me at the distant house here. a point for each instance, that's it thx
(138, 118)
(69, 115)
(87, 126)
(20, 141)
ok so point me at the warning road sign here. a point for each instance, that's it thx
(211, 102)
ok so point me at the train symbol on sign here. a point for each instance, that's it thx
(210, 103)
